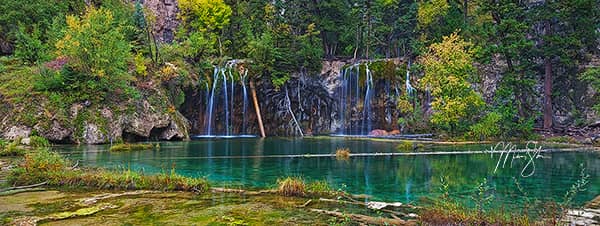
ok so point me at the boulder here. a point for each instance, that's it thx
(56, 132)
(378, 132)
(17, 131)
(394, 132)
(172, 132)
(142, 122)
(93, 135)
(26, 141)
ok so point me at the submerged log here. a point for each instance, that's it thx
(241, 191)
(257, 109)
(381, 206)
(17, 191)
(24, 187)
(366, 219)
(97, 198)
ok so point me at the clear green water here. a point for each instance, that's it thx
(258, 163)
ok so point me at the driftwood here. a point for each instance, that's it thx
(257, 109)
(76, 165)
(17, 191)
(24, 187)
(97, 198)
(391, 212)
(366, 219)
(305, 204)
(241, 191)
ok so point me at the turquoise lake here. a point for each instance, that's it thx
(258, 163)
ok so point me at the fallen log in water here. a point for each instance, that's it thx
(381, 207)
(17, 191)
(241, 191)
(97, 198)
(24, 187)
(366, 219)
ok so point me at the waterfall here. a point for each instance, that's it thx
(245, 106)
(409, 88)
(366, 120)
(226, 102)
(352, 92)
(212, 101)
(223, 88)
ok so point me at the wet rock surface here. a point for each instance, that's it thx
(142, 208)
(98, 125)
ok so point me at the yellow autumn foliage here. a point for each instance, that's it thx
(204, 15)
(448, 68)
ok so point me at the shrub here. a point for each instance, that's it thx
(487, 128)
(291, 186)
(38, 142)
(342, 153)
(98, 52)
(12, 148)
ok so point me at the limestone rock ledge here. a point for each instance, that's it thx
(99, 125)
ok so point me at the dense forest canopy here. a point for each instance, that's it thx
(100, 49)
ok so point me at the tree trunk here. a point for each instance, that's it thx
(466, 11)
(547, 93)
(547, 86)
(257, 109)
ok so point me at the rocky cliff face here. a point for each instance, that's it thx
(97, 124)
(165, 17)
(313, 100)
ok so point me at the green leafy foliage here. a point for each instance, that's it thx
(592, 76)
(25, 24)
(486, 128)
(93, 56)
(38, 142)
(448, 68)
(96, 46)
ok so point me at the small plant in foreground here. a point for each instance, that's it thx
(321, 188)
(291, 186)
(342, 153)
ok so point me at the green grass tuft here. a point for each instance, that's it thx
(342, 153)
(291, 186)
(406, 146)
(131, 147)
(44, 165)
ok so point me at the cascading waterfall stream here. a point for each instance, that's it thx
(352, 95)
(409, 88)
(366, 122)
(245, 106)
(224, 89)
(227, 126)
(212, 101)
